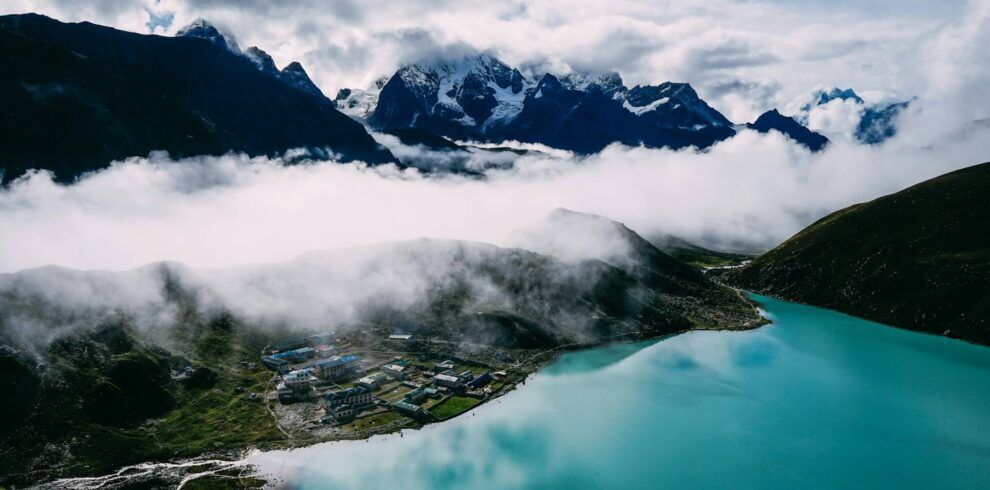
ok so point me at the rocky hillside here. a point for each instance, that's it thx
(77, 96)
(917, 259)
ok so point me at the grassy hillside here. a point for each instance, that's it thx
(917, 259)
(97, 401)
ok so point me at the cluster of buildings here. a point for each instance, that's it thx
(305, 363)
(341, 406)
(287, 352)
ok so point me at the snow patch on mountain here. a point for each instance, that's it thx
(609, 83)
(357, 103)
(510, 103)
(203, 29)
(646, 108)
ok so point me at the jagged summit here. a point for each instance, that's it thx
(457, 97)
(262, 59)
(877, 121)
(773, 120)
(295, 75)
(548, 85)
(608, 83)
(203, 29)
(822, 97)
(481, 97)
(673, 105)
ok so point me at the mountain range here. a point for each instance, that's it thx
(78, 96)
(479, 97)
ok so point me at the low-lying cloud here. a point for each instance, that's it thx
(749, 192)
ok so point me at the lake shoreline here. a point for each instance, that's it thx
(536, 363)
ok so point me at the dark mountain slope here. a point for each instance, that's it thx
(918, 259)
(574, 236)
(74, 97)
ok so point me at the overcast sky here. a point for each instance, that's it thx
(743, 56)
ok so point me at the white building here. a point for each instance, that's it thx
(372, 381)
(448, 380)
(299, 379)
(395, 371)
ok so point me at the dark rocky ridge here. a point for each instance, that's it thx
(917, 259)
(78, 96)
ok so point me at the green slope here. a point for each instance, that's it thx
(917, 259)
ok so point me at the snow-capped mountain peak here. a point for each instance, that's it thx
(471, 91)
(673, 105)
(481, 97)
(203, 29)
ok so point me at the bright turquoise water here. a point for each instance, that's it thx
(816, 400)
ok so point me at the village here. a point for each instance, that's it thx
(339, 387)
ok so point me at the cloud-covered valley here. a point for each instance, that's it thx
(746, 193)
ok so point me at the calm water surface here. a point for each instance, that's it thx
(815, 400)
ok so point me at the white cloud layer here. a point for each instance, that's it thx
(751, 191)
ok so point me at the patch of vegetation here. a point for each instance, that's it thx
(373, 421)
(106, 399)
(453, 406)
(703, 258)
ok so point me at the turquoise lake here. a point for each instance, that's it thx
(815, 400)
